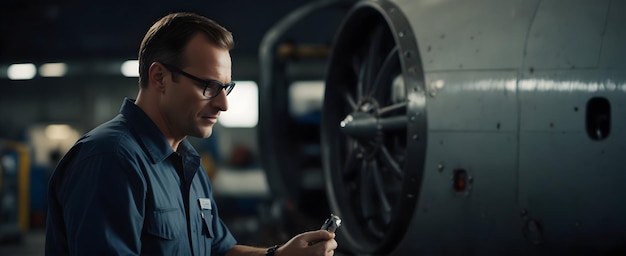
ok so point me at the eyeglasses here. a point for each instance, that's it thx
(212, 88)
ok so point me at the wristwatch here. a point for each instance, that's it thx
(270, 251)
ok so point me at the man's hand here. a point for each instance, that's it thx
(312, 243)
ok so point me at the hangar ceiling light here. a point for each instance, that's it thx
(130, 68)
(22, 71)
(53, 69)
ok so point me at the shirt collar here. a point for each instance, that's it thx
(149, 135)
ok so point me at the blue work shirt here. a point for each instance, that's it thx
(121, 190)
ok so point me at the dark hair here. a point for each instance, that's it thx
(166, 40)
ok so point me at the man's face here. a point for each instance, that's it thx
(187, 112)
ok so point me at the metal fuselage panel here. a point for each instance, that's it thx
(508, 87)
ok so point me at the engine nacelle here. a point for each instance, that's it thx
(478, 127)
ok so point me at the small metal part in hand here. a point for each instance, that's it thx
(331, 224)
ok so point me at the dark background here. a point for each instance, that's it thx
(39, 30)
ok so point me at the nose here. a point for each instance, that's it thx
(220, 101)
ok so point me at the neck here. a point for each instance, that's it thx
(151, 109)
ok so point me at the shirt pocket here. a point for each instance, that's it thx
(207, 223)
(166, 223)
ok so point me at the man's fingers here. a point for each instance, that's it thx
(324, 247)
(332, 245)
(318, 235)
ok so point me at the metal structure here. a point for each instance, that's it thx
(290, 147)
(478, 127)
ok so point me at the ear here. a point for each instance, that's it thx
(156, 75)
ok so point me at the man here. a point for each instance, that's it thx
(134, 185)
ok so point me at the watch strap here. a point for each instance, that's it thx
(270, 251)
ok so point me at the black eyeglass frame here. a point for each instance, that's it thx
(214, 85)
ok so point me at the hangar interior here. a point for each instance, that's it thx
(80, 63)
(437, 127)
